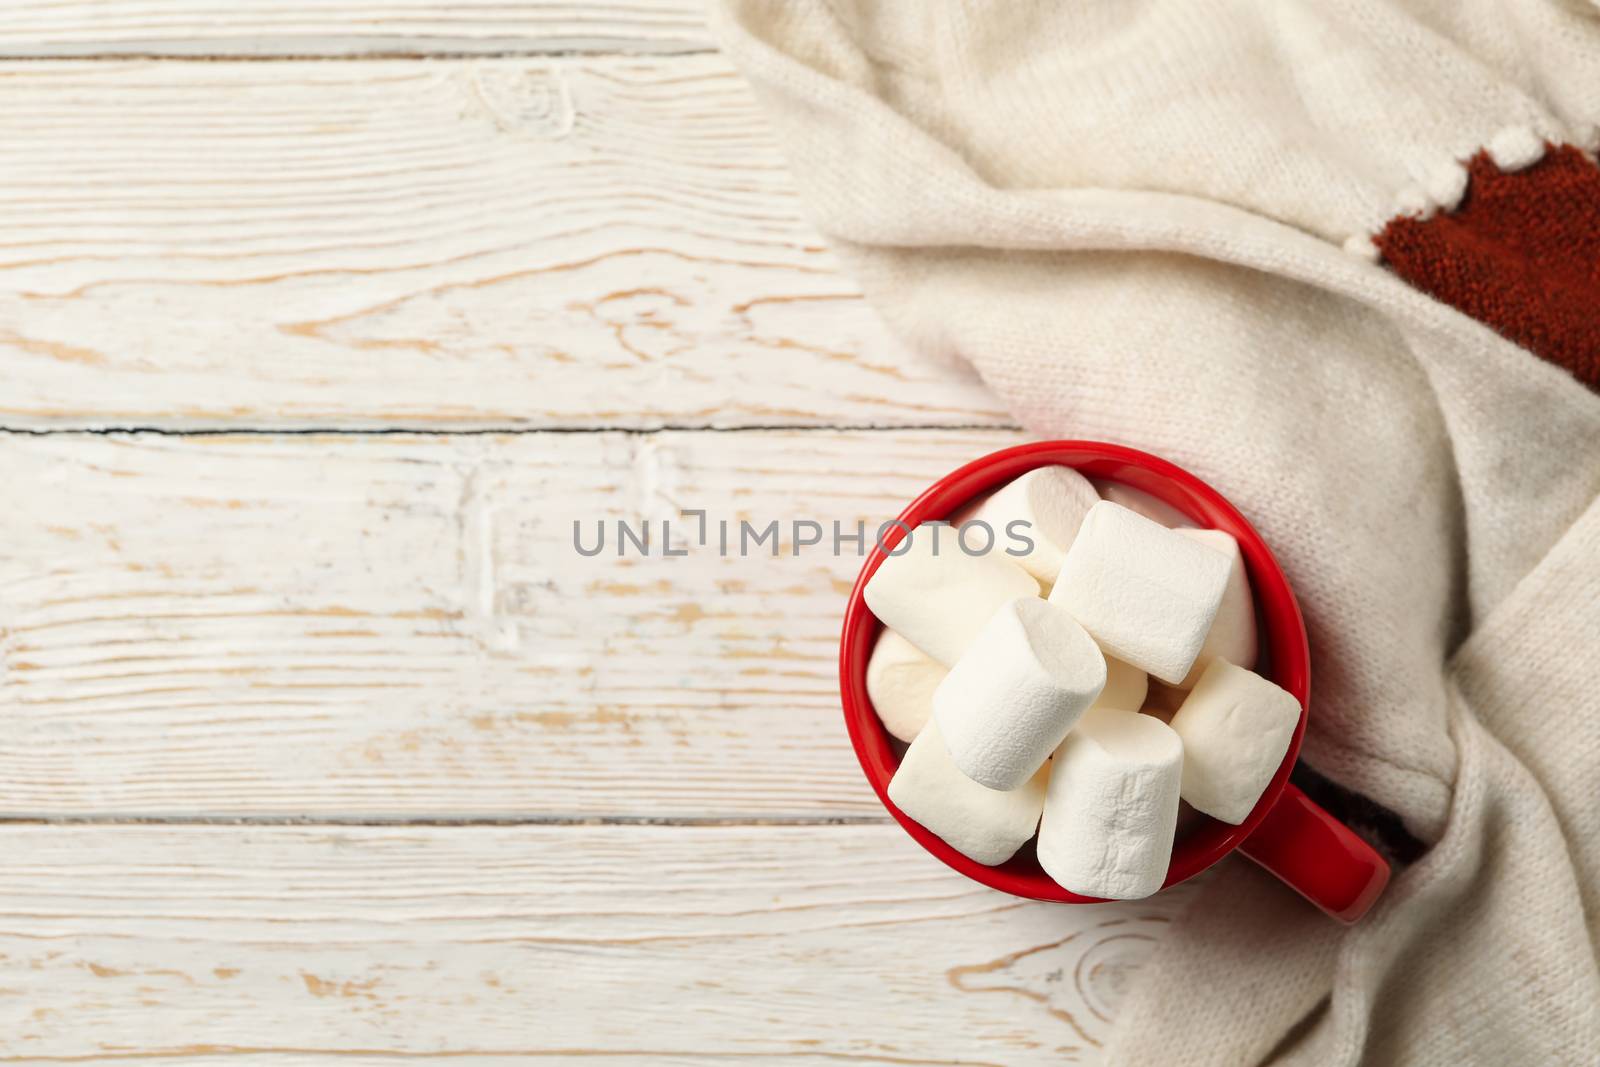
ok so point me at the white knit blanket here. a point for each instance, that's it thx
(1129, 218)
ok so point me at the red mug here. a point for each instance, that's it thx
(1287, 833)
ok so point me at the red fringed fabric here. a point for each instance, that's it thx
(1521, 254)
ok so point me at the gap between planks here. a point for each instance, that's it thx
(499, 431)
(440, 54)
(440, 821)
(291, 30)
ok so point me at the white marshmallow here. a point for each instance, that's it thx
(1233, 632)
(1126, 686)
(1235, 726)
(1052, 501)
(983, 824)
(1147, 594)
(938, 597)
(1142, 502)
(900, 683)
(1016, 691)
(1111, 811)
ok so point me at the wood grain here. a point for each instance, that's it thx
(810, 944)
(398, 626)
(565, 243)
(395, 628)
(260, 29)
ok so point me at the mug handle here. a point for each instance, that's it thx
(1318, 856)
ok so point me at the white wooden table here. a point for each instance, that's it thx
(319, 324)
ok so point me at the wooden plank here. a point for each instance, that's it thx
(614, 943)
(400, 627)
(561, 243)
(275, 28)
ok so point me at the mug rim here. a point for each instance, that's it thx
(1281, 640)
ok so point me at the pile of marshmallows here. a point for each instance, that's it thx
(1022, 684)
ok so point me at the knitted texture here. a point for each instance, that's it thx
(1129, 219)
(1521, 253)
